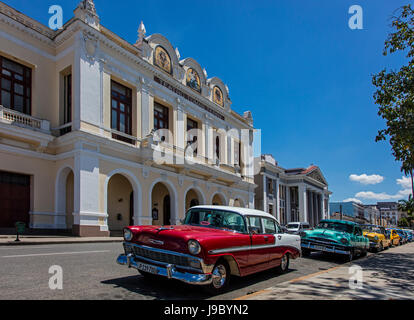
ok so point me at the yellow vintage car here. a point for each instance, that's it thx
(394, 237)
(377, 235)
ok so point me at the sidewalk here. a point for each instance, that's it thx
(41, 240)
(388, 275)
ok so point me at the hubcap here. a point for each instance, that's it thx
(219, 276)
(284, 262)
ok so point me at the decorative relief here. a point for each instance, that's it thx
(180, 181)
(218, 96)
(145, 173)
(162, 59)
(91, 46)
(193, 80)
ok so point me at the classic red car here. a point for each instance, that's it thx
(213, 243)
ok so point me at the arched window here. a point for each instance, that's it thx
(218, 147)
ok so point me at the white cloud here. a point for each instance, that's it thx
(404, 182)
(377, 196)
(365, 179)
(353, 200)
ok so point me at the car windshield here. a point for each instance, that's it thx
(218, 219)
(337, 226)
(293, 226)
(371, 229)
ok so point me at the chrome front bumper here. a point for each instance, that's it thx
(324, 248)
(169, 271)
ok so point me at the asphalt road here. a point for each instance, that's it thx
(90, 272)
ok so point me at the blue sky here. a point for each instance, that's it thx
(296, 64)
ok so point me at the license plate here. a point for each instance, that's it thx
(321, 248)
(147, 268)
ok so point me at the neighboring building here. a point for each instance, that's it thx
(349, 211)
(373, 214)
(291, 195)
(389, 213)
(86, 116)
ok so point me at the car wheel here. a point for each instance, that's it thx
(381, 248)
(221, 278)
(284, 264)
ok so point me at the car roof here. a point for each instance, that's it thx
(340, 221)
(242, 211)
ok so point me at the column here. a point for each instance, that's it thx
(88, 220)
(288, 206)
(209, 141)
(146, 117)
(179, 139)
(277, 206)
(264, 193)
(303, 212)
(323, 205)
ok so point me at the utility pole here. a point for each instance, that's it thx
(340, 212)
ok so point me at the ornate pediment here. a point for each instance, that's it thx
(317, 175)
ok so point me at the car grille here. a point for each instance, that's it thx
(324, 240)
(160, 256)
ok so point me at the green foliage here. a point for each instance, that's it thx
(403, 223)
(395, 93)
(407, 206)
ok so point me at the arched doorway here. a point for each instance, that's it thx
(192, 199)
(64, 199)
(161, 205)
(120, 206)
(218, 200)
(238, 203)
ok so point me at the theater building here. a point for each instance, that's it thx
(97, 133)
(291, 195)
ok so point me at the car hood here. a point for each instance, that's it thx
(326, 234)
(372, 235)
(175, 238)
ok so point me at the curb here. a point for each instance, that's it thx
(28, 243)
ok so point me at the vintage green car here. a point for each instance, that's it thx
(339, 237)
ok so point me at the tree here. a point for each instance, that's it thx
(408, 207)
(395, 93)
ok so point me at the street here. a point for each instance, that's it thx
(90, 272)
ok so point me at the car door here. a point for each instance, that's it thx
(273, 231)
(360, 239)
(259, 251)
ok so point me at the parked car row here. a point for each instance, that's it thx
(214, 243)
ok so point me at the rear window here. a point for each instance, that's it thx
(293, 226)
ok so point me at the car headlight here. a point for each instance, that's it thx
(344, 240)
(194, 247)
(128, 235)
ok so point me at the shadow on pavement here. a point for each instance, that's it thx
(165, 289)
(391, 276)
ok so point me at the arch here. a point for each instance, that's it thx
(159, 40)
(61, 194)
(136, 188)
(173, 198)
(188, 63)
(200, 196)
(238, 202)
(217, 82)
(218, 195)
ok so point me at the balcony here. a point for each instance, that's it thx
(18, 126)
(19, 119)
